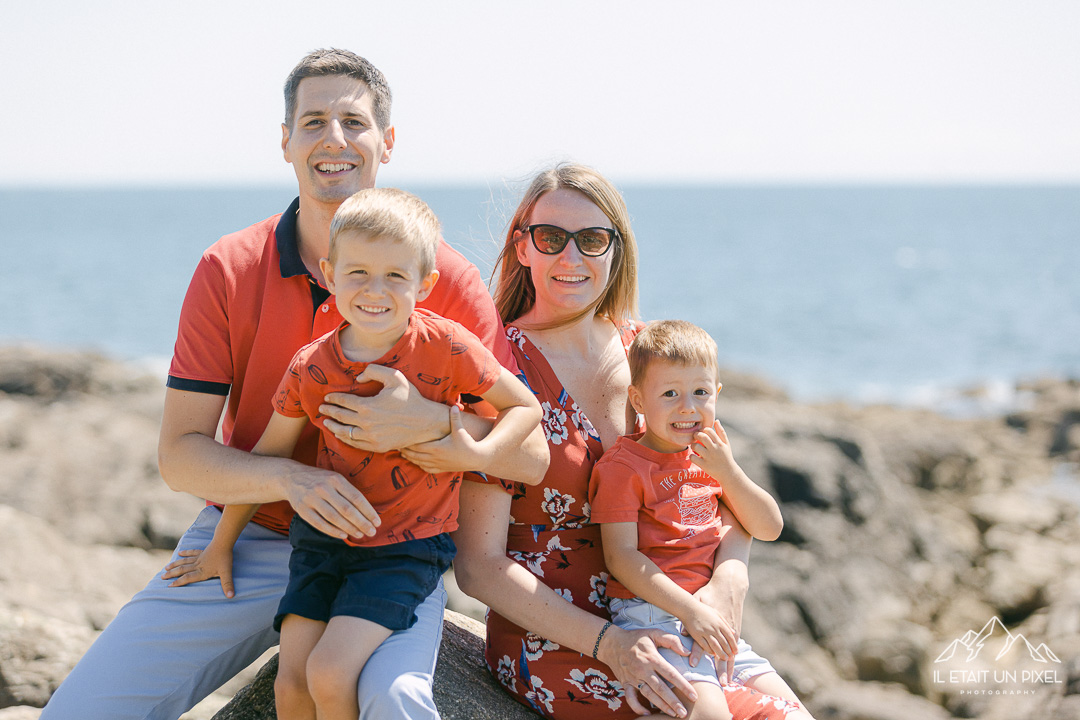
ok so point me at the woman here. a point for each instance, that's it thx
(569, 301)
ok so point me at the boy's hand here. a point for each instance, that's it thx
(198, 565)
(457, 452)
(711, 631)
(728, 601)
(711, 452)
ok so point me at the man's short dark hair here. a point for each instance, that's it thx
(331, 61)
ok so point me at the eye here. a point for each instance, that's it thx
(669, 393)
(395, 275)
(702, 391)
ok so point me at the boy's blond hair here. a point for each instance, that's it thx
(389, 213)
(673, 341)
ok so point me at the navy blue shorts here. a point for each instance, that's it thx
(381, 583)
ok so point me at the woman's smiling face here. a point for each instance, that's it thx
(568, 282)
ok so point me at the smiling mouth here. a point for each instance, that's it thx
(373, 310)
(684, 425)
(332, 168)
(571, 278)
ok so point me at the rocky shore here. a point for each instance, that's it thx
(907, 533)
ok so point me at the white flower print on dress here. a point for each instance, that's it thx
(516, 337)
(535, 560)
(556, 505)
(507, 674)
(536, 645)
(565, 593)
(598, 596)
(595, 683)
(540, 695)
(532, 560)
(582, 423)
(554, 423)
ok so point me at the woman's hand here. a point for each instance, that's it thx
(633, 656)
(457, 452)
(397, 416)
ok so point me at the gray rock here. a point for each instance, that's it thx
(464, 689)
(874, 701)
(36, 654)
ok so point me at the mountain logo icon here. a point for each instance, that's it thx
(994, 632)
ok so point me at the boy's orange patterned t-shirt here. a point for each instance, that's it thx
(443, 361)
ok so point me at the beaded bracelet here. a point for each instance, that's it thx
(596, 647)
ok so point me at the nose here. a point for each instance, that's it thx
(335, 135)
(373, 288)
(570, 254)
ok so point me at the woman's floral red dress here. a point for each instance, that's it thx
(551, 535)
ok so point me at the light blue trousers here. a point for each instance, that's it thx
(169, 648)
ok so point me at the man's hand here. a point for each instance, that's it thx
(216, 561)
(330, 503)
(398, 416)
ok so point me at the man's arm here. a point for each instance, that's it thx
(192, 461)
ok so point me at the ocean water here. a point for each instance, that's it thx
(865, 293)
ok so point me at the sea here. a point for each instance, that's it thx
(937, 296)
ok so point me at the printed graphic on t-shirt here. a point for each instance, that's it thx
(697, 505)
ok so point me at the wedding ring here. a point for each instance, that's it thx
(640, 685)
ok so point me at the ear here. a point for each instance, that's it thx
(327, 273)
(285, 142)
(388, 144)
(427, 284)
(520, 248)
(635, 399)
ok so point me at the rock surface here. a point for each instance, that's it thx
(905, 531)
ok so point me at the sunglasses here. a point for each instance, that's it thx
(552, 240)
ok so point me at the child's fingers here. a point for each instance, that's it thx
(720, 432)
(227, 583)
(187, 577)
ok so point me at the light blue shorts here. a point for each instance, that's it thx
(636, 614)
(169, 647)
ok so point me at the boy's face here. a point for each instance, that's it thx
(678, 401)
(377, 283)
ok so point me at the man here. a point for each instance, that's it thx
(255, 298)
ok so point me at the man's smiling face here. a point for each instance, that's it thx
(334, 145)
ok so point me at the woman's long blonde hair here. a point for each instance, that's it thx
(515, 294)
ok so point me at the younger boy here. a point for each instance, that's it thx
(346, 595)
(657, 496)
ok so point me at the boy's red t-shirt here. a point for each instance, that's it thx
(674, 503)
(442, 360)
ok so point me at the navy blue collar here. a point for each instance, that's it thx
(288, 244)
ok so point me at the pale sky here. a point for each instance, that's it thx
(154, 92)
